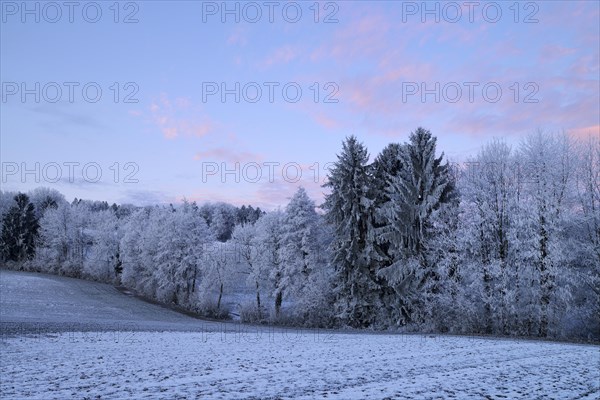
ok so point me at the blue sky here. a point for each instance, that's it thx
(370, 58)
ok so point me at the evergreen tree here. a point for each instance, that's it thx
(415, 193)
(385, 168)
(348, 209)
(19, 230)
(44, 198)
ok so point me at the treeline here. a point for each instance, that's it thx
(403, 241)
(187, 255)
(490, 249)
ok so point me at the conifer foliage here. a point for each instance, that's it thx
(19, 230)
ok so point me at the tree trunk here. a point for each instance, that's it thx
(278, 301)
(488, 294)
(258, 301)
(194, 281)
(220, 296)
(544, 279)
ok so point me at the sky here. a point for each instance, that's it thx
(149, 102)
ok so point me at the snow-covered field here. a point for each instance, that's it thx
(64, 338)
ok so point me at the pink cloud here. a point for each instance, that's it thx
(238, 37)
(282, 55)
(567, 99)
(586, 65)
(224, 154)
(364, 37)
(553, 52)
(327, 121)
(179, 118)
(183, 102)
(170, 133)
(381, 93)
(586, 132)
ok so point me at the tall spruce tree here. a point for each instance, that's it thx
(348, 209)
(385, 168)
(419, 188)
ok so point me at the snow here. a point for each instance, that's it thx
(163, 354)
(49, 302)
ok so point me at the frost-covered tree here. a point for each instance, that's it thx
(248, 215)
(221, 219)
(65, 237)
(315, 302)
(80, 237)
(584, 235)
(103, 260)
(247, 251)
(515, 212)
(138, 246)
(269, 262)
(550, 176)
(448, 305)
(216, 272)
(420, 187)
(491, 200)
(19, 230)
(182, 236)
(305, 274)
(385, 169)
(162, 252)
(7, 200)
(588, 195)
(54, 243)
(299, 242)
(348, 209)
(43, 198)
